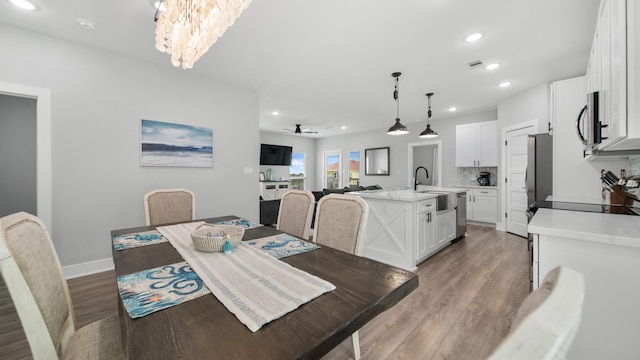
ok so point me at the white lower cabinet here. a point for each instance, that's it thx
(610, 322)
(425, 230)
(403, 233)
(482, 205)
(445, 228)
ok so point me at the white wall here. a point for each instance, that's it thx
(401, 173)
(97, 100)
(300, 144)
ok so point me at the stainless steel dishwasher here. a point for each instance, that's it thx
(461, 215)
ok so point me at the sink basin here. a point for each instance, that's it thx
(446, 200)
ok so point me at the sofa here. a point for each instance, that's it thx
(269, 208)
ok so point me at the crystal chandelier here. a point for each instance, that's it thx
(187, 28)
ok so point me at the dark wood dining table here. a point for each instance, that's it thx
(204, 329)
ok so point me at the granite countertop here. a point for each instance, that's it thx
(475, 186)
(614, 229)
(394, 194)
(455, 189)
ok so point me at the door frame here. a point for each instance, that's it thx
(535, 127)
(43, 145)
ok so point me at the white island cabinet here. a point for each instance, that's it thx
(605, 248)
(401, 227)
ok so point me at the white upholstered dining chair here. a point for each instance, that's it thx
(31, 270)
(295, 213)
(163, 206)
(340, 224)
(547, 321)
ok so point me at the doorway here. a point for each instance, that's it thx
(43, 145)
(332, 169)
(515, 169)
(429, 155)
(17, 155)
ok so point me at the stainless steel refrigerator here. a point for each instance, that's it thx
(539, 177)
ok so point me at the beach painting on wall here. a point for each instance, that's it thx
(169, 144)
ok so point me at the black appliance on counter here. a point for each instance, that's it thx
(583, 207)
(571, 206)
(485, 178)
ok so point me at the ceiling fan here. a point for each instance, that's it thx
(298, 130)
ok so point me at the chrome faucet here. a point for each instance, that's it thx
(415, 177)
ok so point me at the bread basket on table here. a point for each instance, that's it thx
(211, 238)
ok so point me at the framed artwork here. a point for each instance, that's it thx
(262, 178)
(169, 144)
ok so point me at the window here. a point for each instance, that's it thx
(296, 171)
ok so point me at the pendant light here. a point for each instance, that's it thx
(397, 128)
(428, 132)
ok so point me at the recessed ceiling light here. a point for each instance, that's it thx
(24, 4)
(343, 127)
(504, 84)
(275, 113)
(492, 66)
(453, 108)
(473, 37)
(87, 24)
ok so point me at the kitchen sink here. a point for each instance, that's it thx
(445, 201)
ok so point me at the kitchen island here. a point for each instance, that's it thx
(404, 226)
(606, 249)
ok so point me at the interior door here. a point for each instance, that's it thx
(332, 169)
(516, 167)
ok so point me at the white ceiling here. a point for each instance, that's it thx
(326, 64)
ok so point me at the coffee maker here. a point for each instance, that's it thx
(485, 178)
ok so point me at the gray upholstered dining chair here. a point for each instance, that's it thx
(296, 212)
(547, 321)
(32, 273)
(340, 224)
(163, 206)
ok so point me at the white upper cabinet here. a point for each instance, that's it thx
(477, 144)
(612, 72)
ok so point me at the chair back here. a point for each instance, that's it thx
(340, 222)
(295, 213)
(163, 206)
(33, 275)
(548, 319)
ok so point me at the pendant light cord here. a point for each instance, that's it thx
(395, 96)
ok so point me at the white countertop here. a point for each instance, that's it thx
(398, 195)
(405, 194)
(475, 187)
(455, 189)
(614, 229)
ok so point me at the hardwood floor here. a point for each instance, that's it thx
(468, 294)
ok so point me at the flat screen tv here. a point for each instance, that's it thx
(275, 155)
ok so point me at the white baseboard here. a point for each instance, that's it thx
(88, 268)
(500, 226)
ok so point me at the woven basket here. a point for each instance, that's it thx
(211, 238)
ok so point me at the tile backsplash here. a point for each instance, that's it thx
(469, 176)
